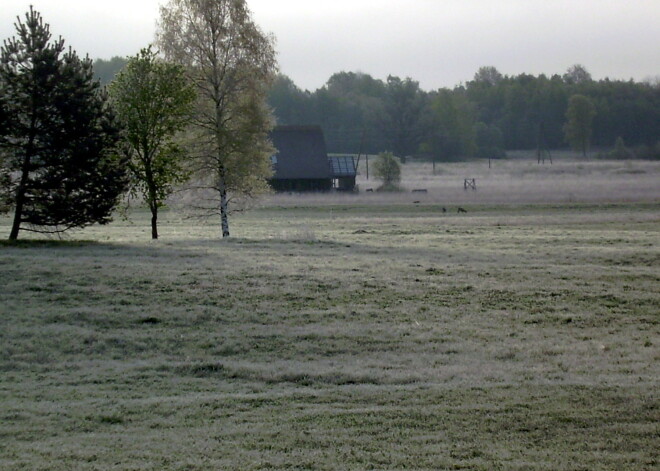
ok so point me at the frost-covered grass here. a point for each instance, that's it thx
(344, 335)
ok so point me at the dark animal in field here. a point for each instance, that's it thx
(461, 210)
(444, 210)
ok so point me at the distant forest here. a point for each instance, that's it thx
(480, 118)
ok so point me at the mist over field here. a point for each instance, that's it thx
(512, 181)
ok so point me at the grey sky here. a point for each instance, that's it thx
(438, 42)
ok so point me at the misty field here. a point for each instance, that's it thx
(348, 333)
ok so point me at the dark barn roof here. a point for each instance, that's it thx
(301, 153)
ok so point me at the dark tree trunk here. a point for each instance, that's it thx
(16, 226)
(153, 199)
(20, 199)
(154, 223)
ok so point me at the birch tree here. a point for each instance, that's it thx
(232, 64)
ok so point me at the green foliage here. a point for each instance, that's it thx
(351, 109)
(153, 101)
(579, 118)
(489, 141)
(232, 63)
(647, 152)
(58, 135)
(450, 127)
(289, 102)
(6, 195)
(357, 112)
(488, 76)
(577, 74)
(386, 168)
(404, 102)
(620, 151)
(106, 70)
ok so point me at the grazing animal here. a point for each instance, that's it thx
(461, 210)
(444, 210)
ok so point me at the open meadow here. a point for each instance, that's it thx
(348, 332)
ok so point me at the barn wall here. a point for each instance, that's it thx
(301, 185)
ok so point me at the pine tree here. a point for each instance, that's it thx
(57, 135)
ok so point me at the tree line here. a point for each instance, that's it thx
(481, 117)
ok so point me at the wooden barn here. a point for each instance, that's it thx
(301, 162)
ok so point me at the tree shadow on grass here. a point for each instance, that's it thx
(50, 243)
(81, 247)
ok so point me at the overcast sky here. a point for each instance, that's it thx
(440, 43)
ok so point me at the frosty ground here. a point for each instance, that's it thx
(348, 332)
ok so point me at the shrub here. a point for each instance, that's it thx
(648, 152)
(387, 169)
(620, 150)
